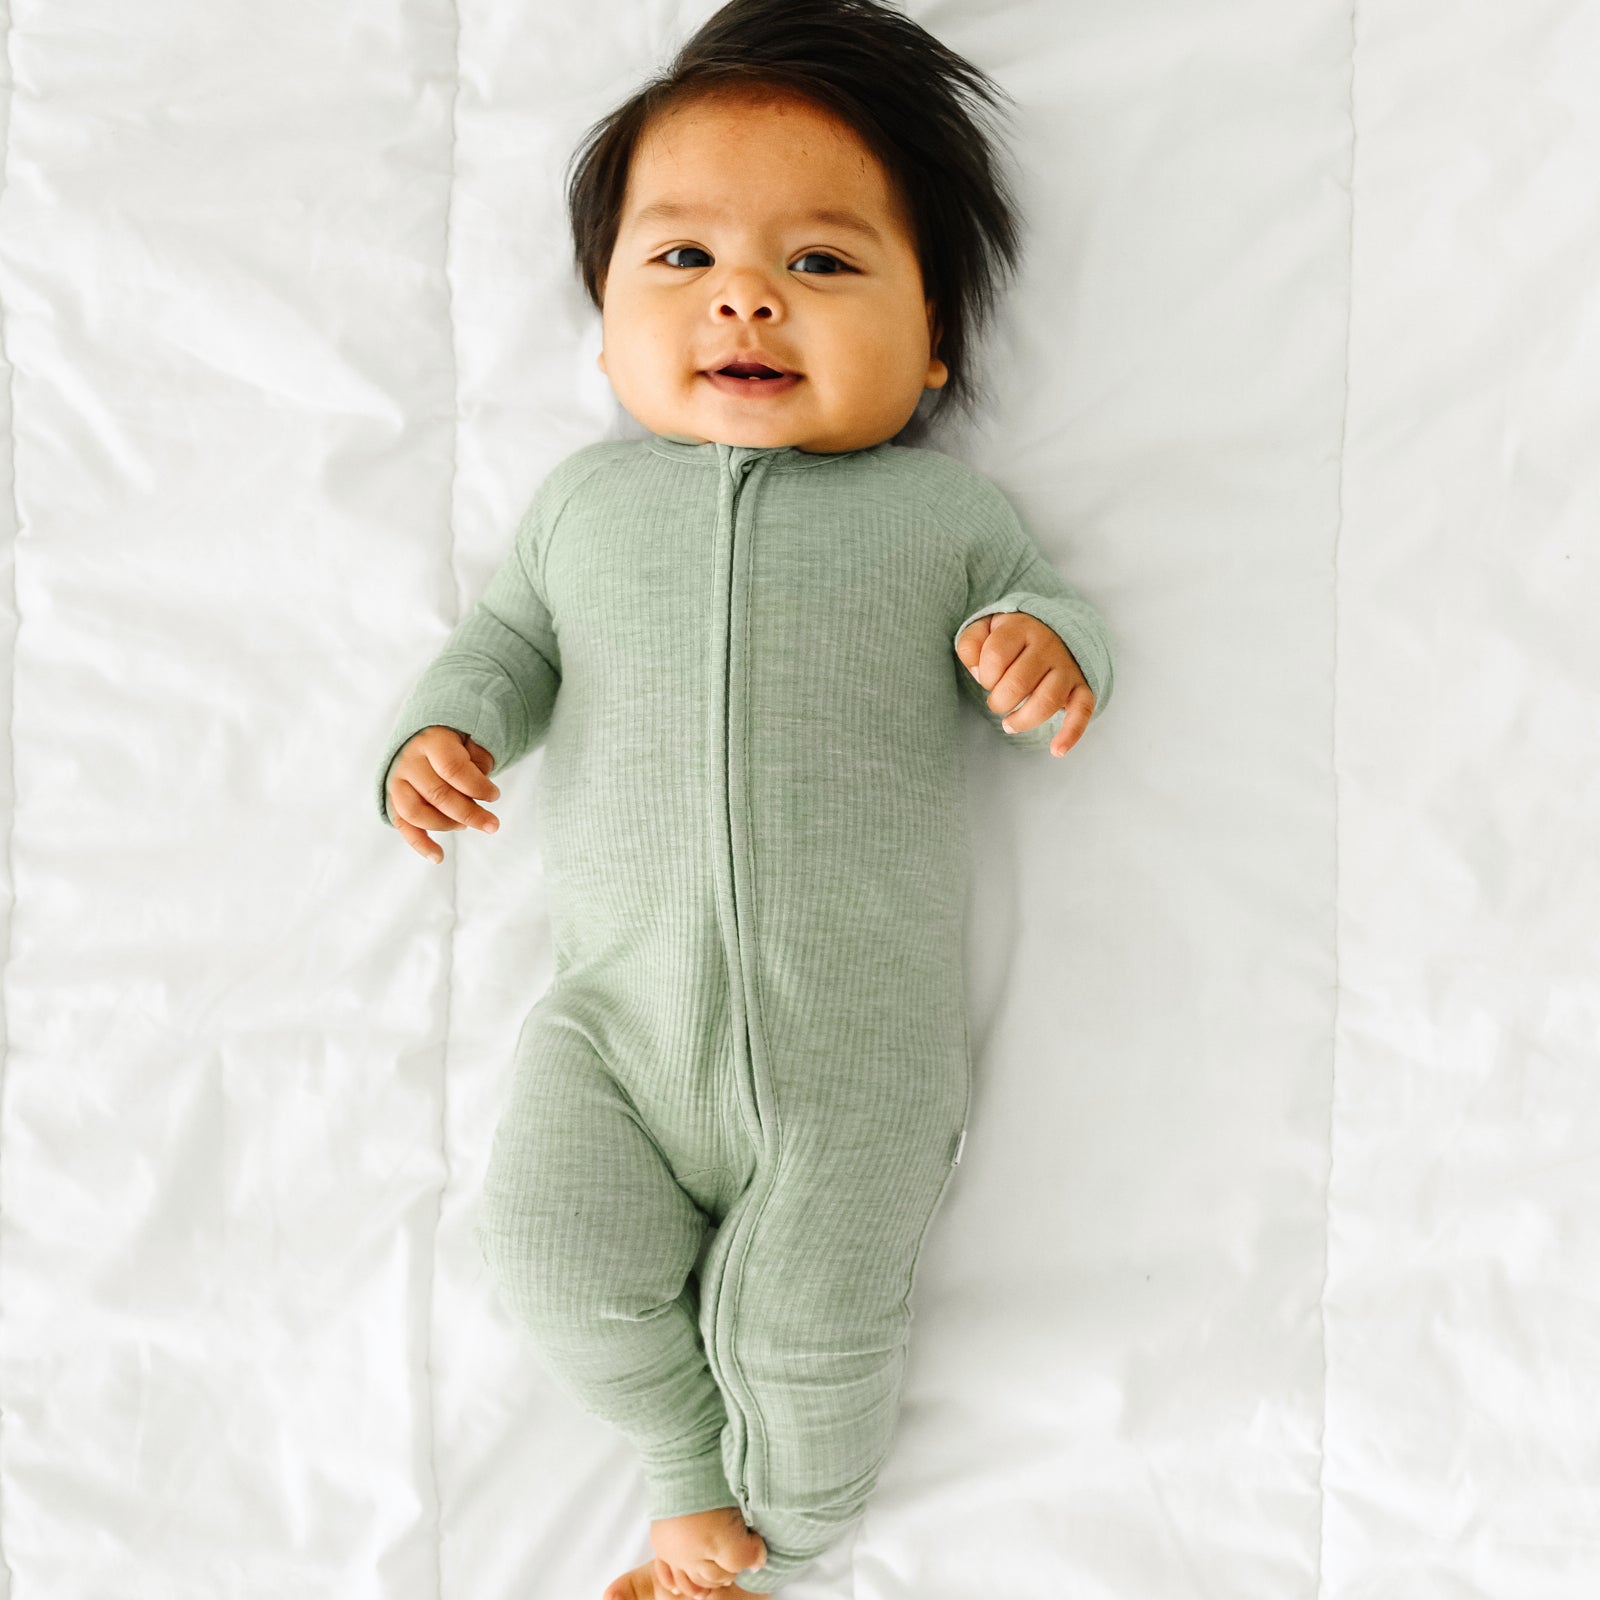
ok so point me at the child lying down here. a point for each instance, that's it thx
(741, 644)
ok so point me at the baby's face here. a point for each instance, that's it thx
(746, 267)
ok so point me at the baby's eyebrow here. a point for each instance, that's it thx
(831, 216)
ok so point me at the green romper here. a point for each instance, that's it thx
(735, 1110)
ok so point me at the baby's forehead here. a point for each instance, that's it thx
(674, 208)
(778, 153)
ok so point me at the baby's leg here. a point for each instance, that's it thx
(591, 1242)
(806, 1314)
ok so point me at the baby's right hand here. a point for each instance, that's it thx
(431, 785)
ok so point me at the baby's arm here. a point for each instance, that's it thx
(495, 680)
(1006, 571)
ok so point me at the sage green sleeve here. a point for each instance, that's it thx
(1006, 571)
(496, 678)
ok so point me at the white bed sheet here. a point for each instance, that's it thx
(1272, 1266)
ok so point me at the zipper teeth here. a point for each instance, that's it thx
(732, 1270)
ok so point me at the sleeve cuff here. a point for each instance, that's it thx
(1086, 642)
(469, 714)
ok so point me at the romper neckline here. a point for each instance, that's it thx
(779, 457)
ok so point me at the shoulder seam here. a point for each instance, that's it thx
(600, 456)
(963, 476)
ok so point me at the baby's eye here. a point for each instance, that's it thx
(694, 247)
(822, 255)
(819, 255)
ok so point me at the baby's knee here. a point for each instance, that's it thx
(526, 1247)
(556, 1279)
(517, 1264)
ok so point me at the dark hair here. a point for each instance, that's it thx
(917, 105)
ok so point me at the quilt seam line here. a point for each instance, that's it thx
(1333, 750)
(11, 707)
(455, 875)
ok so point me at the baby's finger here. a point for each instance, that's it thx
(406, 800)
(1007, 668)
(414, 819)
(1045, 699)
(1014, 699)
(481, 758)
(969, 642)
(709, 1574)
(1080, 707)
(455, 780)
(675, 1582)
(417, 839)
(461, 765)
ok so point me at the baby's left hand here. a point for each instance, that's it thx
(1016, 657)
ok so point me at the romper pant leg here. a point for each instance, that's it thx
(806, 1314)
(591, 1242)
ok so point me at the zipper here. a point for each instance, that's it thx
(738, 471)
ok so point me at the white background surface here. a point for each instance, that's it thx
(1272, 1267)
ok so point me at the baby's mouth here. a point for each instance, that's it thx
(754, 372)
(751, 378)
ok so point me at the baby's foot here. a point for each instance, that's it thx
(700, 1554)
(640, 1584)
(651, 1582)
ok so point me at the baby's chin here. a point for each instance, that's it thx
(706, 416)
(761, 432)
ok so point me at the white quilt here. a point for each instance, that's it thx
(1272, 1268)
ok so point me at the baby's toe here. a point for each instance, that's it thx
(674, 1581)
(635, 1585)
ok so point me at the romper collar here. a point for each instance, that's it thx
(780, 457)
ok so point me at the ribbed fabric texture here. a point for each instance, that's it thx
(753, 1059)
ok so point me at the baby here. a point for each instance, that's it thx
(741, 643)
